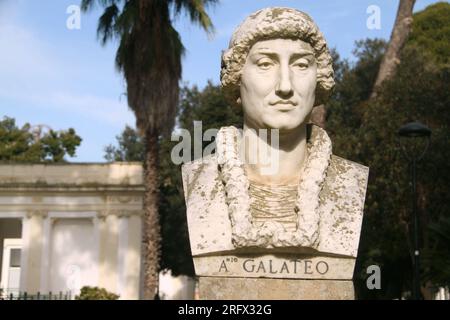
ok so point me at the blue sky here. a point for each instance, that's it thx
(63, 78)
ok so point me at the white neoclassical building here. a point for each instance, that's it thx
(64, 226)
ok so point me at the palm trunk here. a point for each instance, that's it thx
(151, 230)
(399, 35)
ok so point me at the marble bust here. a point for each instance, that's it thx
(310, 202)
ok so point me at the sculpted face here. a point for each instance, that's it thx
(278, 84)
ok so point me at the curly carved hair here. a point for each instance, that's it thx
(273, 23)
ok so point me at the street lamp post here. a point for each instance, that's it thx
(415, 130)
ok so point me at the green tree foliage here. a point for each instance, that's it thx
(208, 106)
(431, 31)
(130, 147)
(28, 145)
(353, 84)
(437, 256)
(365, 131)
(95, 293)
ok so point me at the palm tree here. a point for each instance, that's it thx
(149, 56)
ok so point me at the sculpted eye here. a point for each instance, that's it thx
(264, 64)
(302, 64)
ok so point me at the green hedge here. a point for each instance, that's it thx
(95, 293)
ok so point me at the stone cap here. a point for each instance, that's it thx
(44, 175)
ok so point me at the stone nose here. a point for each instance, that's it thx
(284, 85)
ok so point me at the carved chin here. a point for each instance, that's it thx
(284, 122)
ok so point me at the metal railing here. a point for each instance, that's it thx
(14, 295)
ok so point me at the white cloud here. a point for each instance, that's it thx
(32, 74)
(107, 110)
(23, 55)
(227, 30)
(101, 109)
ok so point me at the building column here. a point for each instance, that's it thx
(108, 252)
(33, 239)
(129, 254)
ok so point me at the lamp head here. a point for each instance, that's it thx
(414, 129)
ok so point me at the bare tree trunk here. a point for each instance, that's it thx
(319, 116)
(151, 230)
(399, 35)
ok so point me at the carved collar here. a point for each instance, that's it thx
(272, 234)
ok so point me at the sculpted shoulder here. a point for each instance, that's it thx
(348, 173)
(342, 205)
(198, 174)
(199, 164)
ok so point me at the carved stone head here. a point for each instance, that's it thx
(278, 30)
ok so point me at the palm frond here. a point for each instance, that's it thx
(87, 5)
(125, 52)
(149, 53)
(126, 20)
(197, 12)
(106, 24)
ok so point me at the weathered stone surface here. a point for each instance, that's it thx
(341, 207)
(212, 288)
(257, 223)
(276, 94)
(118, 174)
(270, 23)
(275, 266)
(275, 218)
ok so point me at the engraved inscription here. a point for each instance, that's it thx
(275, 266)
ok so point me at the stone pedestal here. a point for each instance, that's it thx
(254, 233)
(222, 288)
(275, 277)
